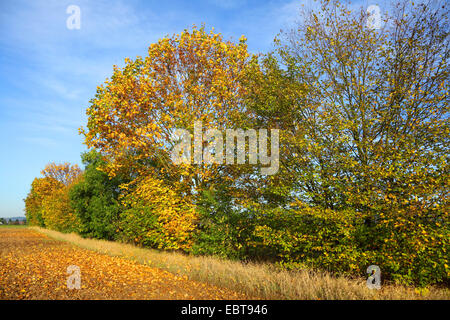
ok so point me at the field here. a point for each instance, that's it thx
(34, 261)
(34, 266)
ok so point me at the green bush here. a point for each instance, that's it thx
(221, 231)
(139, 225)
(95, 200)
(409, 249)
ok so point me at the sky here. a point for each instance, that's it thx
(48, 72)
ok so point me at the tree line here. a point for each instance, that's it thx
(363, 173)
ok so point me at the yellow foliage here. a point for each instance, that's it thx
(174, 217)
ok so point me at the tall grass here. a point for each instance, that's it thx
(261, 281)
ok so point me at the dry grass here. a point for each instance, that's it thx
(262, 281)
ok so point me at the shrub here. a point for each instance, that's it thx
(95, 199)
(156, 216)
(409, 249)
(221, 231)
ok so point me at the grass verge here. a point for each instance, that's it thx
(12, 226)
(262, 281)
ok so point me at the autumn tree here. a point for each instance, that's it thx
(40, 189)
(63, 173)
(192, 76)
(132, 121)
(33, 205)
(47, 204)
(364, 173)
(364, 111)
(58, 213)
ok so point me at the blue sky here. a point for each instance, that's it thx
(49, 73)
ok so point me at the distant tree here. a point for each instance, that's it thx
(47, 203)
(63, 173)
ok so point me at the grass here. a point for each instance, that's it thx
(261, 281)
(12, 226)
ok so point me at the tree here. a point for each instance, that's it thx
(47, 204)
(364, 168)
(95, 199)
(40, 188)
(57, 212)
(63, 173)
(364, 112)
(193, 76)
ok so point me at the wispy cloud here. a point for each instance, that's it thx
(40, 141)
(228, 4)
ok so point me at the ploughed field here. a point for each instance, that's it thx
(34, 266)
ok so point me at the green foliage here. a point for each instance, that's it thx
(408, 248)
(366, 120)
(95, 199)
(135, 226)
(221, 230)
(364, 142)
